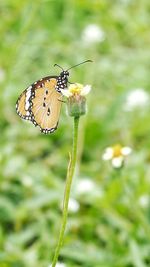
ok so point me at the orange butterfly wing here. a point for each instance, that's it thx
(41, 103)
(46, 106)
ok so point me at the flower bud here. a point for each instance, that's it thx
(76, 101)
(76, 105)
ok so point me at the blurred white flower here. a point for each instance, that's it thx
(76, 89)
(2, 75)
(85, 186)
(136, 98)
(73, 205)
(27, 181)
(116, 154)
(58, 264)
(93, 34)
(144, 201)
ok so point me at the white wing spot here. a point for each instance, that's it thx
(28, 95)
(27, 113)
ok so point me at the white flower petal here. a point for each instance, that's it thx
(117, 162)
(108, 154)
(73, 206)
(86, 89)
(66, 92)
(27, 181)
(126, 151)
(93, 34)
(144, 201)
(136, 98)
(85, 186)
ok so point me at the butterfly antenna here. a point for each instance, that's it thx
(80, 64)
(58, 66)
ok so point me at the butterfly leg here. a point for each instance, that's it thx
(70, 82)
(61, 101)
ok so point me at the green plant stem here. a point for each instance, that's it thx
(70, 173)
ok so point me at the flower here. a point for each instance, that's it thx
(76, 89)
(93, 34)
(116, 154)
(136, 98)
(58, 264)
(85, 186)
(27, 181)
(144, 201)
(73, 205)
(76, 101)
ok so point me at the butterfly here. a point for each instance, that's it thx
(41, 102)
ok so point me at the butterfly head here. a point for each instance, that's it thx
(62, 79)
(64, 74)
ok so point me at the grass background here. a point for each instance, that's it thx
(112, 228)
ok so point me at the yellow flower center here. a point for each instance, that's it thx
(117, 151)
(75, 88)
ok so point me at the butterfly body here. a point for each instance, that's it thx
(41, 102)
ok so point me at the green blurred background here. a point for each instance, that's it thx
(109, 221)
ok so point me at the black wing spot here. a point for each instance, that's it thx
(44, 105)
(46, 92)
(48, 112)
